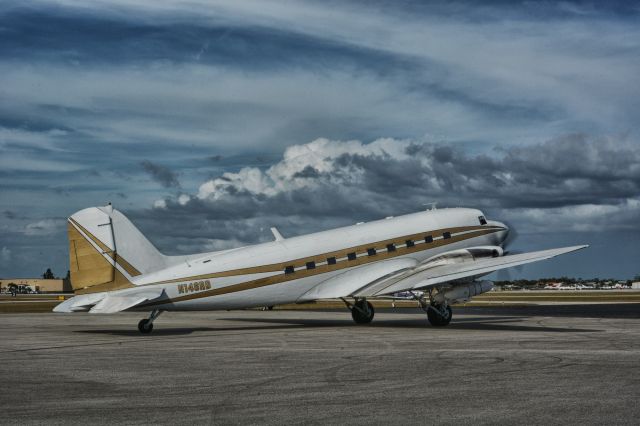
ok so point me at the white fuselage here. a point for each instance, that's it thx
(279, 272)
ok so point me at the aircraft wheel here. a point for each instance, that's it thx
(144, 326)
(361, 317)
(436, 317)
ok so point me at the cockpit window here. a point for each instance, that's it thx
(482, 220)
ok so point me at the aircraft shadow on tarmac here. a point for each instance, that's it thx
(156, 332)
(290, 324)
(508, 322)
(172, 331)
(483, 323)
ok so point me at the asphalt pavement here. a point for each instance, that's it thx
(511, 365)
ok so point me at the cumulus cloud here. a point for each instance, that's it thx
(160, 204)
(302, 166)
(161, 174)
(572, 183)
(563, 171)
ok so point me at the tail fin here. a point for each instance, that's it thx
(106, 251)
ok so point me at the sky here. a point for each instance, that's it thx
(207, 122)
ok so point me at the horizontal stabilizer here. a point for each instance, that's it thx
(106, 303)
(117, 303)
(79, 303)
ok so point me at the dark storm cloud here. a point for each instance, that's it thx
(394, 177)
(563, 171)
(161, 174)
(307, 172)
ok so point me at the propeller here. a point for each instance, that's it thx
(512, 236)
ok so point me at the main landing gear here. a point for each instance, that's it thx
(439, 312)
(361, 311)
(439, 315)
(146, 325)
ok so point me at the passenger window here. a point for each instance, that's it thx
(331, 260)
(428, 239)
(311, 265)
(446, 235)
(410, 243)
(288, 270)
(371, 251)
(482, 220)
(391, 247)
(351, 256)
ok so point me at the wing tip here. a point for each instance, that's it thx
(580, 247)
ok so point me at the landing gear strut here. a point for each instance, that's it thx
(439, 313)
(146, 325)
(361, 311)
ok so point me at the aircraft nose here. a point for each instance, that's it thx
(503, 234)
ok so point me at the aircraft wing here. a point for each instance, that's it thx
(394, 276)
(349, 282)
(424, 277)
(105, 303)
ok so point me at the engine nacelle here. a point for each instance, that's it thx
(463, 255)
(464, 292)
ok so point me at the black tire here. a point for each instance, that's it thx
(145, 327)
(360, 317)
(436, 319)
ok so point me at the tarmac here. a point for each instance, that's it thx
(545, 364)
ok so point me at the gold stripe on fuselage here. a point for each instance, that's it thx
(471, 232)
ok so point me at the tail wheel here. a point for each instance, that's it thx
(362, 312)
(145, 326)
(439, 317)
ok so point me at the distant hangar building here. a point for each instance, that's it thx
(38, 284)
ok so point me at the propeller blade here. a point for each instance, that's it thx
(511, 237)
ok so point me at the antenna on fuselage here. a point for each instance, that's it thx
(278, 236)
(432, 204)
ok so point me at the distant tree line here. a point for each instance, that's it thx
(48, 275)
(541, 282)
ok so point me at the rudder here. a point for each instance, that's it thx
(106, 251)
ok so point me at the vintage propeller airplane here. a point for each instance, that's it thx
(437, 254)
